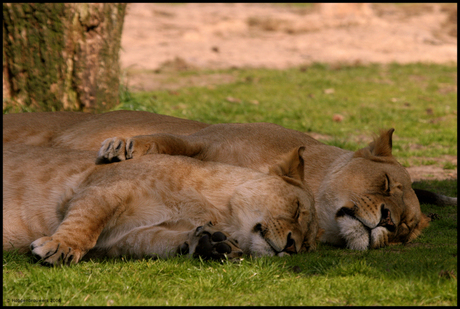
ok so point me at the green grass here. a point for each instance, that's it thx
(418, 100)
(420, 273)
(449, 166)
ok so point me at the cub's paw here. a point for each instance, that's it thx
(54, 252)
(209, 243)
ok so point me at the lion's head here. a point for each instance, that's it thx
(276, 214)
(367, 201)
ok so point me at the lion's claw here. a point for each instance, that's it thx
(114, 149)
(209, 243)
(54, 252)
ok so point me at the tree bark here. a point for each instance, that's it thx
(61, 56)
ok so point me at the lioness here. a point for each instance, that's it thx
(58, 202)
(364, 198)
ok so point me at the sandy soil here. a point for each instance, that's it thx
(158, 38)
(266, 35)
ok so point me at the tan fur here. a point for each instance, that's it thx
(349, 187)
(63, 205)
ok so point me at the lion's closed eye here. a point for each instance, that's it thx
(390, 187)
(297, 211)
(386, 185)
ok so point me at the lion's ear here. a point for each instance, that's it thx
(290, 167)
(380, 147)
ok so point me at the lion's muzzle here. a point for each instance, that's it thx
(364, 233)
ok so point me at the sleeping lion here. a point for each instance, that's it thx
(59, 204)
(363, 199)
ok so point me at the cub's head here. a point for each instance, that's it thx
(367, 200)
(274, 214)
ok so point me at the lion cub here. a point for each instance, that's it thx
(60, 205)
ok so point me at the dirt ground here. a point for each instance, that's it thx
(160, 38)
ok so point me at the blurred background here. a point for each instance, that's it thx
(160, 37)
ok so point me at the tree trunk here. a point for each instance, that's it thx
(61, 56)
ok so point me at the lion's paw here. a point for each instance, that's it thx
(113, 150)
(209, 243)
(54, 252)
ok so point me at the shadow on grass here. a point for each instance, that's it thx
(444, 187)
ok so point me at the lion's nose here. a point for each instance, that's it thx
(290, 245)
(385, 219)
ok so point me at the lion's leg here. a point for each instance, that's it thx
(87, 215)
(166, 240)
(117, 149)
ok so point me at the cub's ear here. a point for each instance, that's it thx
(290, 167)
(380, 147)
